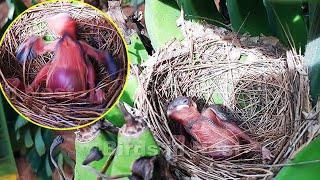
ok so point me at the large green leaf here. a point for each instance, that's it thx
(160, 18)
(308, 171)
(287, 22)
(204, 10)
(39, 144)
(248, 16)
(313, 50)
(7, 162)
(313, 61)
(104, 142)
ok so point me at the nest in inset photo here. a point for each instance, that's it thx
(261, 83)
(63, 109)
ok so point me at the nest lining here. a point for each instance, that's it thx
(62, 110)
(262, 84)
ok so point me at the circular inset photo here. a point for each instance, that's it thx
(63, 64)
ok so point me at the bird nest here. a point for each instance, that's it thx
(260, 82)
(62, 109)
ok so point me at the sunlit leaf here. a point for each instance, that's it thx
(39, 144)
(20, 122)
(136, 50)
(160, 19)
(309, 170)
(28, 139)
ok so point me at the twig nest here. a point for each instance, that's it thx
(263, 84)
(62, 109)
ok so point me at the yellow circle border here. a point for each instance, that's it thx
(126, 50)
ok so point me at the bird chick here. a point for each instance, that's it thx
(211, 130)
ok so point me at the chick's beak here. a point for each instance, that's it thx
(177, 108)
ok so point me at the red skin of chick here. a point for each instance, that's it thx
(69, 70)
(212, 130)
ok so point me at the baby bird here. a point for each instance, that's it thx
(211, 130)
(70, 70)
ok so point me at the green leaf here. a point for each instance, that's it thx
(130, 90)
(136, 50)
(28, 139)
(68, 159)
(60, 160)
(287, 23)
(11, 9)
(313, 61)
(115, 116)
(308, 171)
(160, 19)
(48, 166)
(34, 159)
(19, 7)
(34, 2)
(104, 143)
(47, 137)
(313, 49)
(204, 11)
(7, 162)
(20, 122)
(18, 135)
(130, 149)
(133, 2)
(39, 144)
(248, 16)
(42, 172)
(314, 20)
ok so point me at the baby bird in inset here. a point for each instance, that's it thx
(70, 70)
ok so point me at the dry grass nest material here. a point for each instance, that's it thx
(263, 84)
(62, 110)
